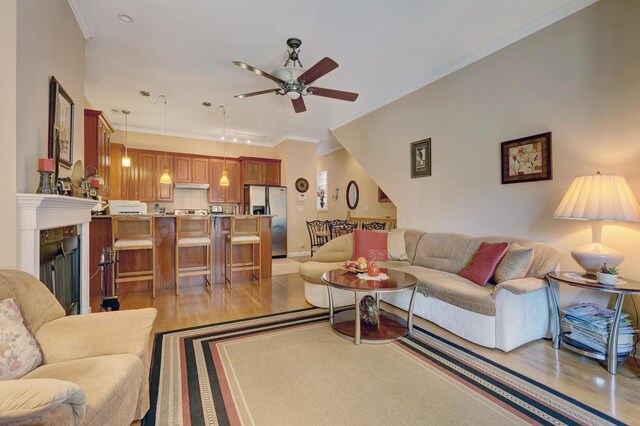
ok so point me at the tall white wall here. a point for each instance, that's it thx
(578, 78)
(8, 93)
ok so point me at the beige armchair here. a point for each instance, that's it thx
(95, 367)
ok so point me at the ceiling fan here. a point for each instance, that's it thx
(295, 82)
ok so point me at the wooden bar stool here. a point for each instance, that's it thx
(194, 231)
(245, 230)
(134, 233)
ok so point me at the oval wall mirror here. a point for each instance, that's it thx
(353, 195)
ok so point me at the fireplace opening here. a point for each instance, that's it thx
(60, 265)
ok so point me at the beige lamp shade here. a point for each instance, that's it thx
(598, 198)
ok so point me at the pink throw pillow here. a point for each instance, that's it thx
(370, 244)
(484, 262)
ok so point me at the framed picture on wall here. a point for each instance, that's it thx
(60, 124)
(527, 159)
(421, 158)
(382, 197)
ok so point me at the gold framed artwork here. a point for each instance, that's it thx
(421, 158)
(527, 159)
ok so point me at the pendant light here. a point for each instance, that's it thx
(165, 178)
(224, 179)
(126, 161)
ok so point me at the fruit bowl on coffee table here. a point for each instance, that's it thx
(355, 266)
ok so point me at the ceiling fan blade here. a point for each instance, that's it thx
(324, 66)
(261, 92)
(257, 71)
(298, 105)
(334, 94)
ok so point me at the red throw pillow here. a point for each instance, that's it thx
(370, 244)
(484, 262)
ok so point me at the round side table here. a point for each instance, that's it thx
(620, 290)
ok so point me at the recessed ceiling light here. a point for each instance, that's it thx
(207, 104)
(115, 111)
(145, 93)
(125, 18)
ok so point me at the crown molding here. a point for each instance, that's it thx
(186, 135)
(296, 139)
(81, 18)
(551, 18)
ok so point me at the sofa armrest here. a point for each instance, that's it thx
(25, 401)
(337, 250)
(105, 333)
(521, 286)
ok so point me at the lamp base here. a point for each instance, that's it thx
(592, 256)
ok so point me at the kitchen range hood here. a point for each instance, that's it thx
(185, 185)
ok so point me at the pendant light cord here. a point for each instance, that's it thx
(164, 98)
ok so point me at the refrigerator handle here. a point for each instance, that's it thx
(268, 206)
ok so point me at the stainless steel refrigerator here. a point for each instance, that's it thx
(271, 200)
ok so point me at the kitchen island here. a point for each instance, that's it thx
(164, 240)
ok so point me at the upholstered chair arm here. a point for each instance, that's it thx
(337, 250)
(520, 286)
(40, 402)
(106, 333)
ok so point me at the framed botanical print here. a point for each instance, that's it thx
(421, 158)
(527, 159)
(60, 124)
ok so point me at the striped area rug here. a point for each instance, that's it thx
(291, 368)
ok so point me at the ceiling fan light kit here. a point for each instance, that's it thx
(295, 82)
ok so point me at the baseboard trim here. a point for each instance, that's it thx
(298, 253)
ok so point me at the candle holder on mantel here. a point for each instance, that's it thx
(45, 168)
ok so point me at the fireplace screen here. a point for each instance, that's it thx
(60, 265)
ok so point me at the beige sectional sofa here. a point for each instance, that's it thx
(95, 368)
(502, 316)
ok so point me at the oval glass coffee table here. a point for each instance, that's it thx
(387, 327)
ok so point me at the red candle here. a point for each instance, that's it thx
(95, 183)
(46, 164)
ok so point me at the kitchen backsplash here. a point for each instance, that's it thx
(189, 199)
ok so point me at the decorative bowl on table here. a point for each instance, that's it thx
(353, 266)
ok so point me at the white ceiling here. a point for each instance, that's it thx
(385, 49)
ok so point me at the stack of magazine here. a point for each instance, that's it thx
(587, 326)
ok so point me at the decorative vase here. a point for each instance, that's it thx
(607, 279)
(373, 270)
(45, 186)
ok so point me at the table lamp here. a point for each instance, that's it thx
(598, 198)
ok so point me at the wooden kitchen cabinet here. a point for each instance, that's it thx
(131, 178)
(116, 152)
(191, 169)
(260, 171)
(97, 141)
(164, 191)
(146, 176)
(271, 173)
(183, 169)
(199, 170)
(224, 194)
(234, 193)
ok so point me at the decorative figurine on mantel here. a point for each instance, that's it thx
(46, 167)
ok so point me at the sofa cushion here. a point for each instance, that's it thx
(396, 246)
(515, 263)
(442, 251)
(485, 262)
(460, 292)
(19, 352)
(371, 245)
(111, 384)
(411, 239)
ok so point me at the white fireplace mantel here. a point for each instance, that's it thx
(45, 211)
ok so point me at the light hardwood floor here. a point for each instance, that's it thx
(581, 378)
